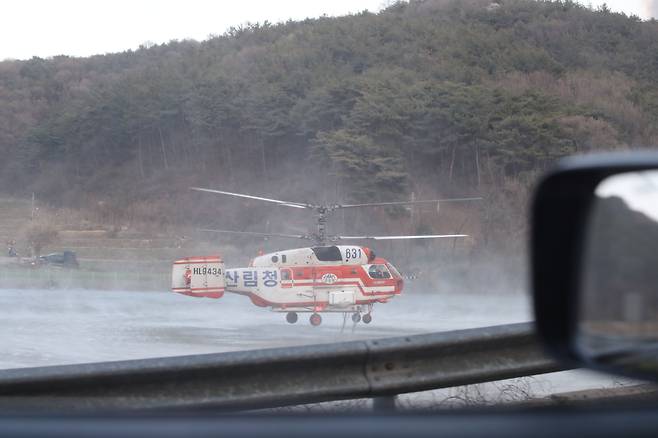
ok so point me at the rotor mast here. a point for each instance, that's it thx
(321, 237)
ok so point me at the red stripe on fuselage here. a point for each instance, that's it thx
(353, 283)
(206, 294)
(219, 289)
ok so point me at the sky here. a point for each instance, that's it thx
(48, 28)
(638, 189)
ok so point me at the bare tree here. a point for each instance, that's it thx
(39, 234)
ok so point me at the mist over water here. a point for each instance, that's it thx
(52, 327)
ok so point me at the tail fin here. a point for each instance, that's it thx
(199, 276)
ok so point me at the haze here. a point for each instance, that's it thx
(79, 28)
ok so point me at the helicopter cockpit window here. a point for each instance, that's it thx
(378, 271)
(327, 253)
(393, 270)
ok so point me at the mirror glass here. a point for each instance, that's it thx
(618, 303)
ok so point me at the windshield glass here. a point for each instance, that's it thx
(378, 271)
(394, 271)
(151, 191)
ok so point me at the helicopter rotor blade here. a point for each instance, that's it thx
(241, 195)
(255, 233)
(419, 236)
(423, 201)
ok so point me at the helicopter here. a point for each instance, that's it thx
(324, 278)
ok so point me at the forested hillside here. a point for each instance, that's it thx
(433, 97)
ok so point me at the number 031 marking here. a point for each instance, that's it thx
(352, 253)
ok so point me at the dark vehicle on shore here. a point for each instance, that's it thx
(65, 259)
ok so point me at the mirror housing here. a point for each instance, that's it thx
(561, 240)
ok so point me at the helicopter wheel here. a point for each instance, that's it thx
(367, 318)
(356, 317)
(291, 317)
(315, 319)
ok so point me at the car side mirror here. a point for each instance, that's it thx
(594, 249)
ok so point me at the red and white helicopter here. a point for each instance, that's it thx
(345, 279)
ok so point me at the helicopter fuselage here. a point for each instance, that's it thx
(339, 278)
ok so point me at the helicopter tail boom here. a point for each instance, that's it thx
(199, 277)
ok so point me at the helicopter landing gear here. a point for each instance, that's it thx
(291, 317)
(367, 318)
(315, 319)
(356, 317)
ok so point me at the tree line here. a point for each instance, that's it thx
(436, 97)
